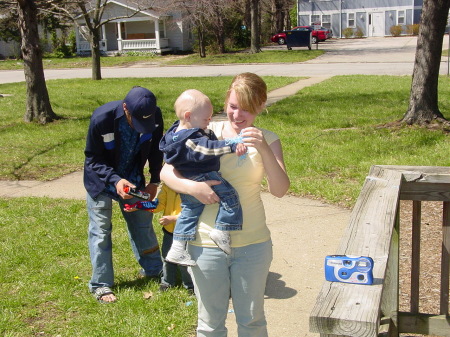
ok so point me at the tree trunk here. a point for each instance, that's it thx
(423, 101)
(95, 51)
(201, 41)
(38, 102)
(220, 34)
(279, 16)
(255, 33)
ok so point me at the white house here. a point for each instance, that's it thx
(372, 17)
(145, 31)
(9, 49)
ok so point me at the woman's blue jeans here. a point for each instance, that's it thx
(142, 237)
(241, 275)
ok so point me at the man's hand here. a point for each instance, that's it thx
(151, 189)
(121, 184)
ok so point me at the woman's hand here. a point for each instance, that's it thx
(272, 156)
(254, 137)
(202, 191)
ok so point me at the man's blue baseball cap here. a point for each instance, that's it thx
(141, 104)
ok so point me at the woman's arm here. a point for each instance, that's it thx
(272, 156)
(277, 177)
(200, 190)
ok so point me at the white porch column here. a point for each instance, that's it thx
(158, 45)
(103, 41)
(119, 37)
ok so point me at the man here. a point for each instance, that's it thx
(122, 137)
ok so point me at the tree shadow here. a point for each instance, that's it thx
(276, 288)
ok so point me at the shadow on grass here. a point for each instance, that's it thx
(138, 283)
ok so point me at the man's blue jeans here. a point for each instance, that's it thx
(142, 237)
(229, 216)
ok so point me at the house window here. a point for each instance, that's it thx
(162, 29)
(326, 21)
(190, 32)
(400, 17)
(351, 20)
(315, 20)
(123, 30)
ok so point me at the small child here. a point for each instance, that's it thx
(195, 153)
(169, 203)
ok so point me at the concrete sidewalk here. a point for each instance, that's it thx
(304, 231)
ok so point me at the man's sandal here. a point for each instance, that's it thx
(102, 291)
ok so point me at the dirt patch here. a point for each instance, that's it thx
(438, 124)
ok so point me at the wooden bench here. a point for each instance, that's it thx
(357, 310)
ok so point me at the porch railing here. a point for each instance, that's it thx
(127, 45)
(345, 309)
(143, 44)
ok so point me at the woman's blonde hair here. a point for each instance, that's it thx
(251, 92)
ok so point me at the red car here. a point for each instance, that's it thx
(318, 35)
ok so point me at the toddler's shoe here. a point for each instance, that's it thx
(222, 239)
(180, 257)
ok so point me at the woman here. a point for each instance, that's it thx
(242, 274)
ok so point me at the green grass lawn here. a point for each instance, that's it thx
(332, 133)
(49, 151)
(45, 269)
(270, 56)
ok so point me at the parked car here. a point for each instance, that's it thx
(317, 35)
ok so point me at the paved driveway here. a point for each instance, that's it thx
(370, 50)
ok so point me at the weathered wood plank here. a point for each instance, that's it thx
(350, 309)
(430, 183)
(425, 191)
(387, 328)
(415, 256)
(342, 313)
(427, 170)
(354, 310)
(435, 325)
(445, 260)
(390, 293)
